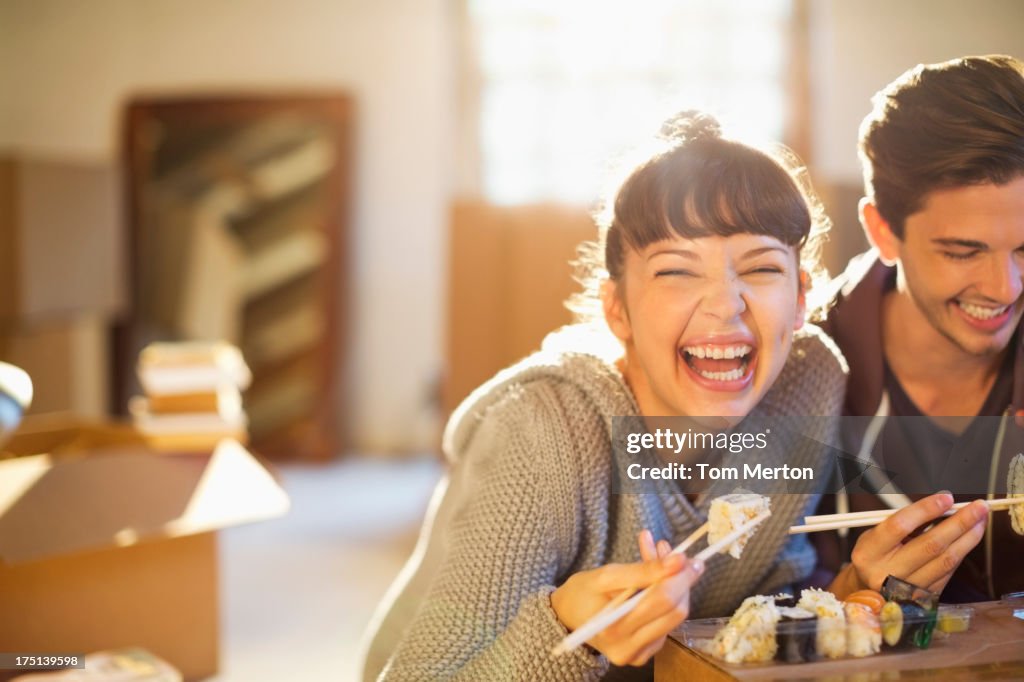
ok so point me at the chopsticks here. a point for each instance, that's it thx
(814, 524)
(612, 612)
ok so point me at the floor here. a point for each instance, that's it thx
(298, 591)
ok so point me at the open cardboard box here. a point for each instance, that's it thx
(108, 546)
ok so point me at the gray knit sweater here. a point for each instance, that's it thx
(529, 502)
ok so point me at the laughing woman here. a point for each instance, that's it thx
(700, 282)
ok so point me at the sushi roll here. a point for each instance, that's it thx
(795, 635)
(906, 623)
(729, 512)
(1015, 488)
(921, 623)
(894, 589)
(919, 610)
(749, 636)
(863, 632)
(891, 619)
(830, 638)
(869, 598)
(783, 600)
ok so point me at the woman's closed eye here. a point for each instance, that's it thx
(675, 272)
(765, 270)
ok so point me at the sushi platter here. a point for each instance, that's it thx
(814, 627)
(985, 639)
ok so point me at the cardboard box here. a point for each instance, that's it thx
(60, 239)
(509, 278)
(111, 547)
(63, 433)
(68, 360)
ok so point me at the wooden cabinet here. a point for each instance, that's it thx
(238, 229)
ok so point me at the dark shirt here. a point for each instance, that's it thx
(925, 457)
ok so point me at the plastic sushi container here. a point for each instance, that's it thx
(817, 627)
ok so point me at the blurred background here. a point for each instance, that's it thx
(376, 203)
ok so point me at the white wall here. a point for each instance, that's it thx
(860, 46)
(67, 66)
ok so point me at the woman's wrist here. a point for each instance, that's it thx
(556, 601)
(557, 607)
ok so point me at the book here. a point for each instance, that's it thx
(293, 332)
(226, 401)
(210, 296)
(191, 367)
(189, 430)
(186, 422)
(286, 259)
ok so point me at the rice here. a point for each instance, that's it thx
(831, 637)
(749, 636)
(728, 512)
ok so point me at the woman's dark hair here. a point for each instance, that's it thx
(700, 184)
(940, 126)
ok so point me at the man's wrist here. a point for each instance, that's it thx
(847, 582)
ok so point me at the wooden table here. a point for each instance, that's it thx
(993, 649)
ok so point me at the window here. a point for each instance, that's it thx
(567, 86)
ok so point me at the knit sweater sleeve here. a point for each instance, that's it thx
(487, 613)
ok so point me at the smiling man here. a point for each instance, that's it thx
(929, 318)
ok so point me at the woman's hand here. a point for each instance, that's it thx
(637, 636)
(928, 560)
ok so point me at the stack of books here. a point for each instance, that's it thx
(193, 395)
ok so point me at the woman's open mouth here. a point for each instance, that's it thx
(720, 367)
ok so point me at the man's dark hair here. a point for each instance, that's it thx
(939, 126)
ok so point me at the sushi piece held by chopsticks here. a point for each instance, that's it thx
(728, 512)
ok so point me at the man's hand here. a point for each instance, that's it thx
(928, 560)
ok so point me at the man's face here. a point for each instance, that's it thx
(962, 262)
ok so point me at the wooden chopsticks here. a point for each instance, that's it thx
(814, 524)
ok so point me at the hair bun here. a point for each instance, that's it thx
(690, 125)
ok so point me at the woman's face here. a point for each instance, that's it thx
(707, 323)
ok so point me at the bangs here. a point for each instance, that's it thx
(695, 183)
(716, 188)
